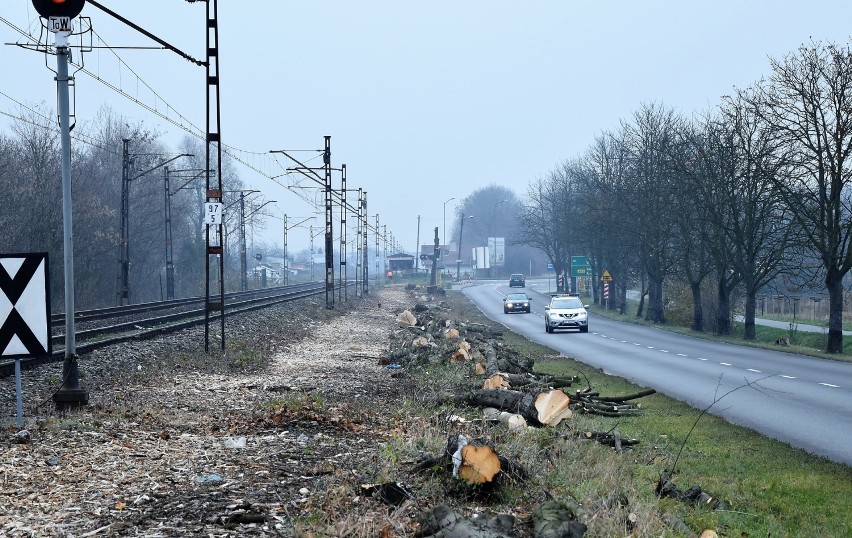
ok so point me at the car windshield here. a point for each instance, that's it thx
(570, 302)
(516, 297)
(517, 276)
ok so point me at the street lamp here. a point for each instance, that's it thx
(458, 260)
(444, 241)
(445, 220)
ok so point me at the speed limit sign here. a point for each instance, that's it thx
(213, 213)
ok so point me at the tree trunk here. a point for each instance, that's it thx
(723, 318)
(834, 283)
(750, 310)
(537, 408)
(642, 293)
(697, 308)
(656, 313)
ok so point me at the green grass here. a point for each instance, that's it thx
(770, 488)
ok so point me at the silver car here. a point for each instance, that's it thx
(566, 312)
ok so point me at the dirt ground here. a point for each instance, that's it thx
(176, 443)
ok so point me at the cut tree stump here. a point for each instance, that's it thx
(473, 461)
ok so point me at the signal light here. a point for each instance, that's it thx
(59, 8)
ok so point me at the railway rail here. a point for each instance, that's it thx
(135, 322)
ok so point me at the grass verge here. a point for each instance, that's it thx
(769, 488)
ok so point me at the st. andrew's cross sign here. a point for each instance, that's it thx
(24, 306)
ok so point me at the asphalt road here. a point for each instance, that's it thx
(800, 400)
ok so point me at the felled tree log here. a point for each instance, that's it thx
(538, 408)
(613, 439)
(502, 380)
(504, 364)
(513, 420)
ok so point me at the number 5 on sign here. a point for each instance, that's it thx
(213, 213)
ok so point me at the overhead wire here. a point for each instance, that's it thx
(183, 123)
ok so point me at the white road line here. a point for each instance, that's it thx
(682, 355)
(664, 351)
(830, 385)
(788, 377)
(725, 364)
(702, 359)
(650, 347)
(636, 344)
(753, 370)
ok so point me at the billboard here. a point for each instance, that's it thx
(497, 248)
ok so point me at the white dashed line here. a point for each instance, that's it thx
(650, 347)
(636, 344)
(788, 377)
(830, 385)
(725, 363)
(664, 351)
(753, 370)
(702, 359)
(682, 355)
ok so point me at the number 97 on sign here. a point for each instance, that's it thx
(213, 213)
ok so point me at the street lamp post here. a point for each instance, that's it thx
(444, 241)
(458, 260)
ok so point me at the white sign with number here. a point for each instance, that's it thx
(213, 213)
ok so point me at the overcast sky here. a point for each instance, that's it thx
(424, 101)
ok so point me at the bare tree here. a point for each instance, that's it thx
(807, 105)
(649, 140)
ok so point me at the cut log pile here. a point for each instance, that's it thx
(510, 394)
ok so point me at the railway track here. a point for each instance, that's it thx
(149, 320)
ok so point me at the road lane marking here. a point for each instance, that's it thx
(830, 385)
(788, 377)
(682, 355)
(664, 351)
(753, 370)
(725, 364)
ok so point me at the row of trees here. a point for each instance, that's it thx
(746, 194)
(32, 202)
(31, 191)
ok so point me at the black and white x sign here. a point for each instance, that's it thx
(24, 305)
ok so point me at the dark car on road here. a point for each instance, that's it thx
(517, 280)
(516, 302)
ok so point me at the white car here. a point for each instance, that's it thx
(566, 312)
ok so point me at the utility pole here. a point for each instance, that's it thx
(170, 268)
(329, 228)
(417, 250)
(459, 260)
(365, 282)
(243, 261)
(377, 248)
(341, 293)
(359, 244)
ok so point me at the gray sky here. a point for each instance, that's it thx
(424, 101)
